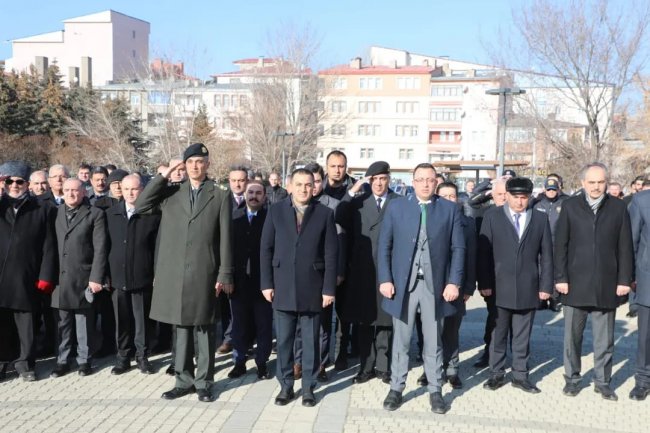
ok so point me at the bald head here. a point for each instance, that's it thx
(73, 192)
(131, 189)
(38, 182)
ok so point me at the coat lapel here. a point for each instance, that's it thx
(308, 213)
(207, 194)
(185, 197)
(513, 230)
(81, 214)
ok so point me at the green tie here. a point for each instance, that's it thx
(423, 215)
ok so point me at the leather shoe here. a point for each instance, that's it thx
(363, 377)
(571, 389)
(483, 361)
(308, 399)
(384, 376)
(263, 372)
(455, 381)
(494, 383)
(84, 369)
(606, 392)
(28, 376)
(639, 393)
(284, 397)
(237, 371)
(438, 404)
(555, 306)
(322, 375)
(341, 364)
(204, 395)
(393, 400)
(171, 371)
(120, 369)
(631, 314)
(422, 380)
(60, 370)
(175, 393)
(224, 348)
(297, 371)
(526, 386)
(145, 366)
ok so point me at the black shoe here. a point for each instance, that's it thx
(555, 306)
(145, 366)
(606, 392)
(284, 397)
(60, 370)
(455, 381)
(571, 389)
(175, 393)
(543, 305)
(631, 314)
(383, 375)
(422, 380)
(204, 395)
(483, 361)
(363, 377)
(639, 393)
(274, 347)
(120, 369)
(341, 364)
(438, 404)
(322, 375)
(171, 371)
(308, 399)
(84, 369)
(526, 386)
(237, 371)
(263, 372)
(28, 376)
(494, 383)
(224, 348)
(393, 400)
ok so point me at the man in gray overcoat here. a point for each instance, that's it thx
(194, 264)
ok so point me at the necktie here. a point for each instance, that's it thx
(238, 198)
(423, 215)
(130, 212)
(250, 218)
(517, 227)
(379, 204)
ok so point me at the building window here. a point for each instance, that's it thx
(406, 154)
(369, 130)
(407, 107)
(446, 90)
(406, 130)
(243, 99)
(135, 99)
(159, 98)
(520, 135)
(444, 114)
(217, 101)
(226, 102)
(234, 101)
(367, 153)
(369, 106)
(340, 83)
(339, 106)
(408, 83)
(338, 130)
(370, 83)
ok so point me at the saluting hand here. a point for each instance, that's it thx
(167, 173)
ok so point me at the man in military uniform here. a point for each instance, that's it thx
(193, 266)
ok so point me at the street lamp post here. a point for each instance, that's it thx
(284, 162)
(503, 91)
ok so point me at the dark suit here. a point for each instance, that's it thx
(441, 250)
(131, 264)
(300, 264)
(517, 269)
(252, 315)
(82, 245)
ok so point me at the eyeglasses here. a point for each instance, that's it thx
(58, 176)
(423, 180)
(17, 181)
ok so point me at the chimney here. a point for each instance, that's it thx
(86, 72)
(40, 63)
(356, 63)
(73, 75)
(394, 65)
(446, 70)
(425, 62)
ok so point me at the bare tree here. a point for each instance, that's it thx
(583, 54)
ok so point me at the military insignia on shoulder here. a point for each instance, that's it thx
(221, 186)
(558, 209)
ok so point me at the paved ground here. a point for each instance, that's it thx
(105, 403)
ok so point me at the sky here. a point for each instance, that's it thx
(209, 35)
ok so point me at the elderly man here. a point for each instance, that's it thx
(55, 177)
(28, 257)
(82, 245)
(193, 266)
(131, 262)
(38, 183)
(594, 265)
(115, 184)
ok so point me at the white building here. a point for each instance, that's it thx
(100, 48)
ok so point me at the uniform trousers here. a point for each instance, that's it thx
(196, 340)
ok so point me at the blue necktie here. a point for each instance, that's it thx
(517, 227)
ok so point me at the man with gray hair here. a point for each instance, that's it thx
(38, 183)
(594, 266)
(55, 177)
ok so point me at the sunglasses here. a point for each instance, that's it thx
(17, 181)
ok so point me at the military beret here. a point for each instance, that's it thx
(551, 184)
(196, 149)
(16, 169)
(509, 172)
(116, 176)
(378, 167)
(519, 185)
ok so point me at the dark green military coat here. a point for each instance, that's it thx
(194, 250)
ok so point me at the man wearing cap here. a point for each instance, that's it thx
(27, 260)
(594, 267)
(361, 213)
(515, 261)
(194, 265)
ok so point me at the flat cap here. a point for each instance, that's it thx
(116, 176)
(16, 169)
(519, 185)
(196, 149)
(509, 172)
(551, 184)
(378, 167)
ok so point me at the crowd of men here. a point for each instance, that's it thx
(100, 264)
